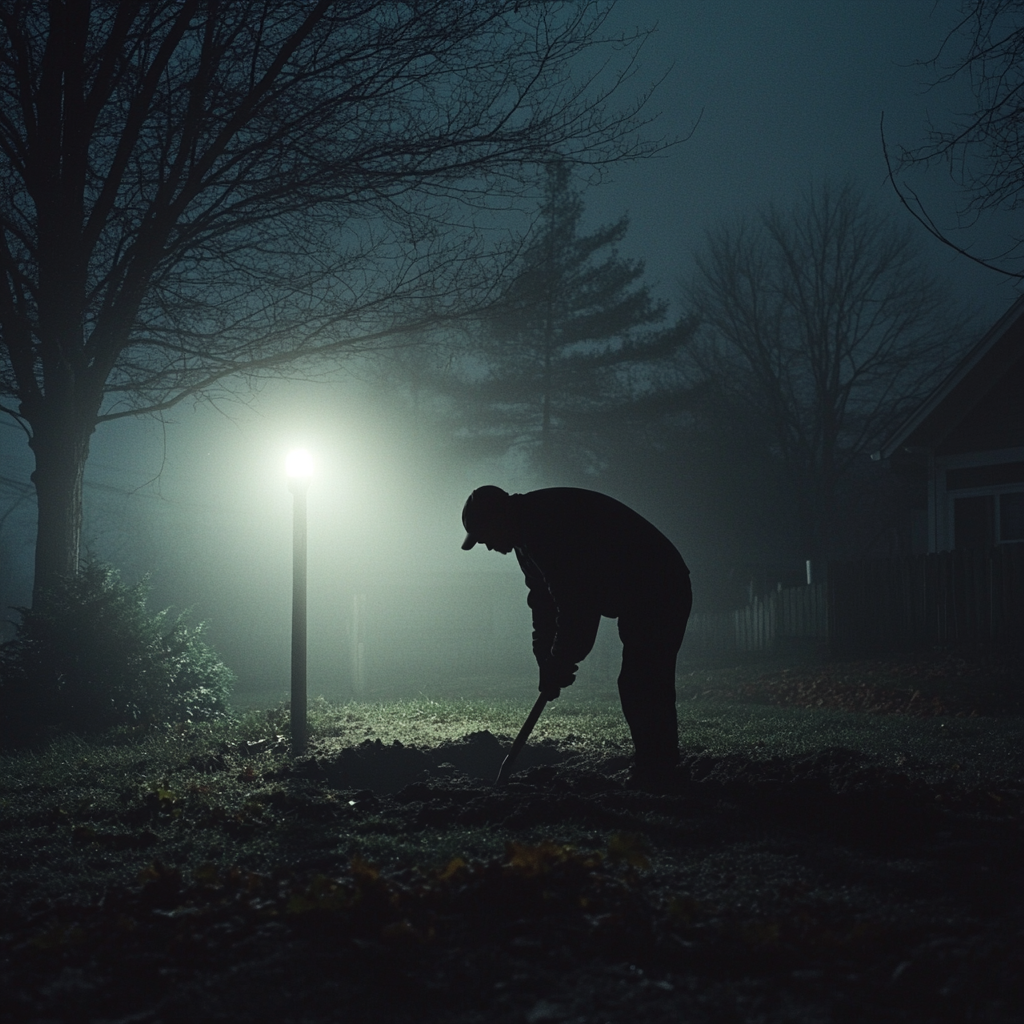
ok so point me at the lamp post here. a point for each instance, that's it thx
(299, 466)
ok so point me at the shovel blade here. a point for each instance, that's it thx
(503, 771)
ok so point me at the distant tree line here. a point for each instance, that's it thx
(807, 332)
(201, 196)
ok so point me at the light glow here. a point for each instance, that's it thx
(299, 464)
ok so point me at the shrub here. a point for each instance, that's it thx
(89, 657)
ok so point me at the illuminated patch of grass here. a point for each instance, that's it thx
(985, 746)
(82, 814)
(429, 722)
(967, 749)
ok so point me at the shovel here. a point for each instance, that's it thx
(520, 740)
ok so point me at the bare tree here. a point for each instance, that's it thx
(820, 328)
(199, 191)
(983, 149)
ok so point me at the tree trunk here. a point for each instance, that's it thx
(60, 443)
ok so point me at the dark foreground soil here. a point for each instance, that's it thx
(818, 888)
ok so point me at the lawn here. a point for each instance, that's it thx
(811, 862)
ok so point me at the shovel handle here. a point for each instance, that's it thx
(520, 740)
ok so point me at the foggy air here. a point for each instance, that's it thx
(511, 510)
(198, 500)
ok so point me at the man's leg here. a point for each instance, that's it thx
(651, 636)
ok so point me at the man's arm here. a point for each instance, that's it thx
(541, 603)
(564, 627)
(555, 672)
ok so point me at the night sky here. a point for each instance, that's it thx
(787, 93)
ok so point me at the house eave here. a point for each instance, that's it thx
(933, 420)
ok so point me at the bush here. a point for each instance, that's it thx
(89, 657)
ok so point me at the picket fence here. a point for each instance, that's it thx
(880, 605)
(790, 614)
(445, 627)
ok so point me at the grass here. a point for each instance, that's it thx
(428, 722)
(103, 773)
(971, 749)
(81, 819)
(93, 812)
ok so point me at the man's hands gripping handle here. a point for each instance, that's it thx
(555, 676)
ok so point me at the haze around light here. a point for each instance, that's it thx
(777, 95)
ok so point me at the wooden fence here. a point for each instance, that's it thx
(968, 595)
(445, 627)
(766, 624)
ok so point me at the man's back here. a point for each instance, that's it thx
(587, 547)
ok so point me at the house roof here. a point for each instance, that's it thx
(963, 388)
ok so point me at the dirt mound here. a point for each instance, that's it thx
(386, 769)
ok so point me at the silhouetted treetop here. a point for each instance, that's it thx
(196, 191)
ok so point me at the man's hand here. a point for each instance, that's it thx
(555, 676)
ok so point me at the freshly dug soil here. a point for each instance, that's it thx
(817, 888)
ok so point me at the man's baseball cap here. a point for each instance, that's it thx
(481, 506)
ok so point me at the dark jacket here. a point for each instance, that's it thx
(585, 555)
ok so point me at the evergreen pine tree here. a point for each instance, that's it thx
(571, 329)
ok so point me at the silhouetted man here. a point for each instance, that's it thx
(585, 555)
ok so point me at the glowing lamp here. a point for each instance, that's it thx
(299, 465)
